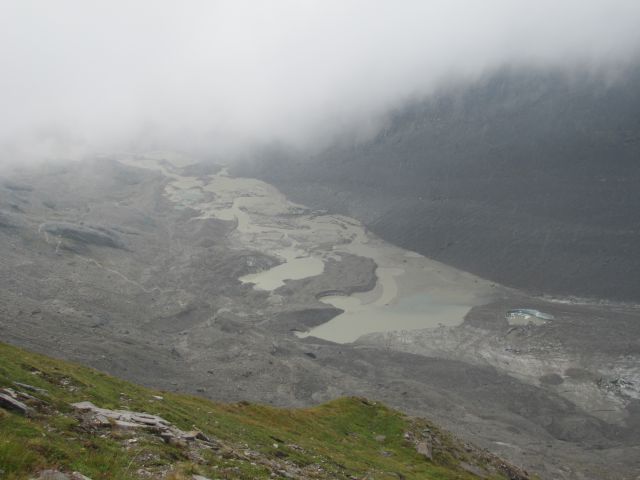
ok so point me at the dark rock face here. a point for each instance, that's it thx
(527, 178)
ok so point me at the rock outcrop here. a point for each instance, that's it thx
(12, 400)
(128, 420)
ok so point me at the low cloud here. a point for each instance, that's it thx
(214, 76)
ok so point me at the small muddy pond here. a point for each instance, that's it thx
(295, 267)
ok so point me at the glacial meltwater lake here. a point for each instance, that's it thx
(409, 313)
(412, 292)
(295, 267)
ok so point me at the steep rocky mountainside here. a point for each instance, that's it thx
(525, 177)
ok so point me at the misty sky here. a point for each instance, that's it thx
(98, 74)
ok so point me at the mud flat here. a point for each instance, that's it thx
(412, 292)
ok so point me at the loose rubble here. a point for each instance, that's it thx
(128, 420)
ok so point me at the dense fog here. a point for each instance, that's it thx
(217, 76)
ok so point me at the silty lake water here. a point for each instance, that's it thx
(411, 292)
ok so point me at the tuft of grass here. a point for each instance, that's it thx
(337, 440)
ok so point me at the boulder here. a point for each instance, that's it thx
(31, 388)
(127, 420)
(424, 448)
(8, 402)
(122, 418)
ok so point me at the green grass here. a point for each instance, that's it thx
(339, 436)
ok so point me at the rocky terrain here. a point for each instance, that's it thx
(48, 435)
(145, 266)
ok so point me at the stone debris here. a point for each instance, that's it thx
(194, 441)
(128, 420)
(14, 401)
(31, 388)
(94, 416)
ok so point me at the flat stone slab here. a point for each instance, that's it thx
(125, 418)
(31, 388)
(128, 420)
(9, 403)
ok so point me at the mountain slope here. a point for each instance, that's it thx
(346, 438)
(525, 177)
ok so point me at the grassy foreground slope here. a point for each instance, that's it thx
(347, 438)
